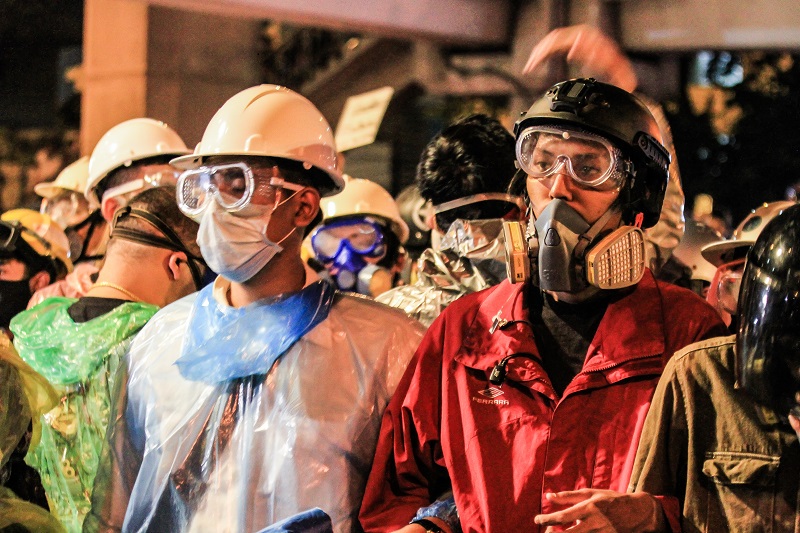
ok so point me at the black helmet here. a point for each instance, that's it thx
(768, 341)
(620, 117)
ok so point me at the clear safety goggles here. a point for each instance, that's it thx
(233, 186)
(723, 293)
(148, 181)
(364, 236)
(590, 160)
(66, 209)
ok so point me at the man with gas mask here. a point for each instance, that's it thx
(360, 241)
(531, 388)
(34, 252)
(464, 173)
(76, 344)
(129, 158)
(259, 396)
(719, 448)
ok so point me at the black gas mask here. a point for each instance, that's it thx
(565, 255)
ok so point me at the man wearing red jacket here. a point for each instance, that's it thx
(526, 390)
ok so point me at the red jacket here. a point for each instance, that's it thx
(504, 448)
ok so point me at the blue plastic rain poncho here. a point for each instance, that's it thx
(311, 521)
(222, 429)
(80, 361)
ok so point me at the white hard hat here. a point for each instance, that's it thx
(697, 235)
(364, 197)
(272, 121)
(745, 235)
(72, 178)
(128, 142)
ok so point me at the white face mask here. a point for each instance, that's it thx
(237, 248)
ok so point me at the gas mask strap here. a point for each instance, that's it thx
(587, 238)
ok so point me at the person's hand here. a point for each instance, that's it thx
(594, 510)
(591, 49)
(795, 423)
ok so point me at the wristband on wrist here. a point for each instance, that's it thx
(429, 526)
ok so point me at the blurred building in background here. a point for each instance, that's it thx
(727, 72)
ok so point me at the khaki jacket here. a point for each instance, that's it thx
(703, 444)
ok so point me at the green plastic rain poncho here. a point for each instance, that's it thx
(80, 361)
(24, 395)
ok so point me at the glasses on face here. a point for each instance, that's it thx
(724, 290)
(590, 160)
(66, 209)
(233, 186)
(362, 236)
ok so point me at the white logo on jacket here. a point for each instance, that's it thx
(491, 393)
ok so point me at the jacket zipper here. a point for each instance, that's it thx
(617, 363)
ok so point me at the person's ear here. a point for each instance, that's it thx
(430, 221)
(40, 280)
(109, 207)
(306, 207)
(174, 261)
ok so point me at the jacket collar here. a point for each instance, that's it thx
(632, 328)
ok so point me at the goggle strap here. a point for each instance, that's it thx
(171, 242)
(119, 190)
(480, 197)
(280, 182)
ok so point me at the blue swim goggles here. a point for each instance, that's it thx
(363, 236)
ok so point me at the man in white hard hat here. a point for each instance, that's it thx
(360, 241)
(77, 343)
(260, 396)
(64, 201)
(129, 158)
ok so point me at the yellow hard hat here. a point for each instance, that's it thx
(45, 237)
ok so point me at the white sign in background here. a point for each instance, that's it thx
(361, 118)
